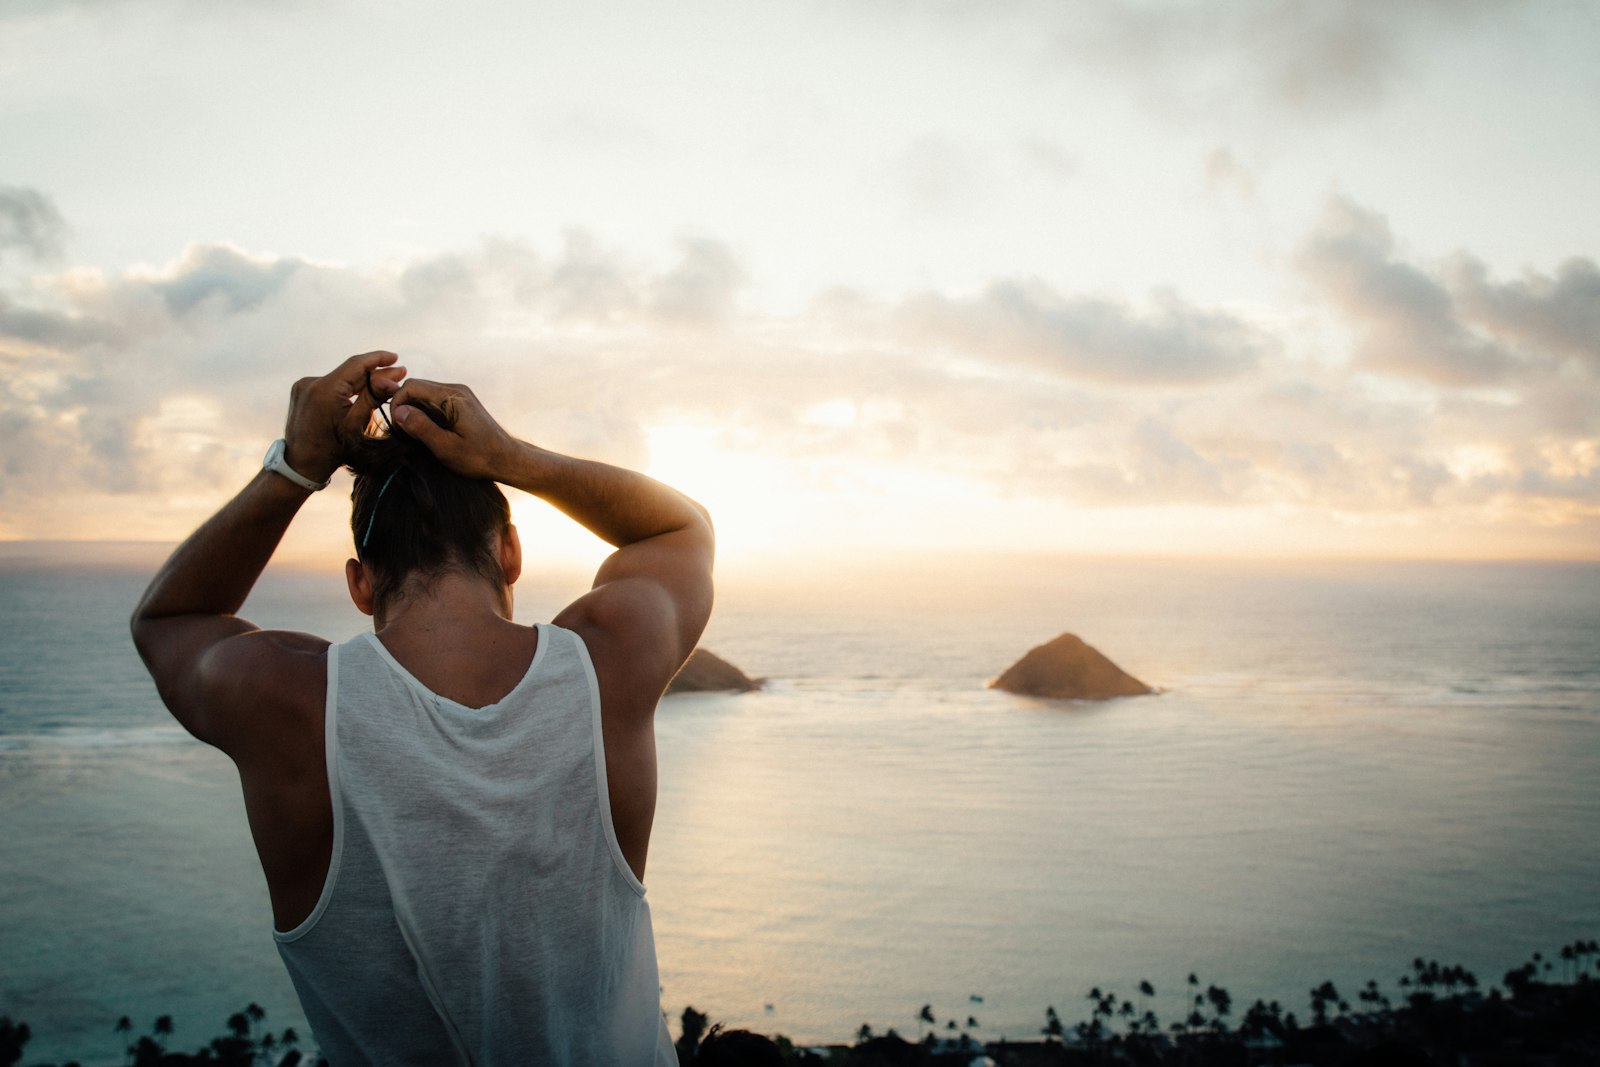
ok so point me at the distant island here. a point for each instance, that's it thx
(1067, 668)
(706, 672)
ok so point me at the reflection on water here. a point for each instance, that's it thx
(1353, 765)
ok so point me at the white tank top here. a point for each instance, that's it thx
(477, 909)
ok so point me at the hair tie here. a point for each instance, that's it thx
(374, 516)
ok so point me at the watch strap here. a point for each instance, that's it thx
(276, 463)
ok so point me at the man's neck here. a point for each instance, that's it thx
(451, 602)
(455, 637)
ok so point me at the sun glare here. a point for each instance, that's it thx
(751, 496)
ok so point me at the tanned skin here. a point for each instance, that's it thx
(259, 695)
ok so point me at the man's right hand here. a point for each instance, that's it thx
(471, 443)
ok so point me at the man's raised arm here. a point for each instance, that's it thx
(185, 627)
(652, 597)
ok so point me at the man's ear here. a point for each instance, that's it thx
(360, 583)
(511, 554)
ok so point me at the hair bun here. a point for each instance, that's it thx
(385, 446)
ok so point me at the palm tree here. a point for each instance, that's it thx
(163, 1029)
(1257, 1020)
(1221, 1003)
(1322, 996)
(13, 1038)
(256, 1013)
(1378, 997)
(925, 1016)
(1518, 979)
(864, 1034)
(124, 1027)
(1052, 1022)
(1106, 1005)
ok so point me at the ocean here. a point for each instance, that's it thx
(1351, 764)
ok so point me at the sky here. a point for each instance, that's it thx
(1240, 277)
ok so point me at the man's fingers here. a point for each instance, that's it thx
(386, 382)
(368, 361)
(353, 373)
(422, 389)
(451, 402)
(417, 424)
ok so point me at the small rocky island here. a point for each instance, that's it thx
(705, 672)
(1069, 669)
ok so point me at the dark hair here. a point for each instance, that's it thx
(413, 517)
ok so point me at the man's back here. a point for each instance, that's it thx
(476, 842)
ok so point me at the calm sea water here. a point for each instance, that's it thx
(1351, 765)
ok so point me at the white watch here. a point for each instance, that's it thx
(274, 461)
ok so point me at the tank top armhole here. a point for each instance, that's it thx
(330, 741)
(602, 782)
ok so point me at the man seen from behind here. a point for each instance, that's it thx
(452, 811)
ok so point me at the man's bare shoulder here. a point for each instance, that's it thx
(276, 657)
(631, 630)
(262, 688)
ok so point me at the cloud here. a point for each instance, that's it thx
(167, 383)
(1028, 324)
(1287, 439)
(702, 286)
(1151, 465)
(1558, 314)
(30, 225)
(1052, 158)
(588, 127)
(935, 174)
(34, 326)
(1406, 320)
(1306, 58)
(24, 9)
(585, 283)
(222, 278)
(1452, 324)
(1224, 173)
(94, 364)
